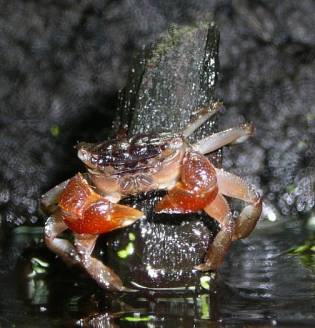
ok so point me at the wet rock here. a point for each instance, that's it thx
(168, 82)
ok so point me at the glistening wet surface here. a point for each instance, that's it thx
(263, 282)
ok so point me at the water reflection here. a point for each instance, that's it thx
(156, 310)
(264, 281)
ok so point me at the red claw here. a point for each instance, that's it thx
(198, 187)
(85, 211)
(182, 200)
(76, 195)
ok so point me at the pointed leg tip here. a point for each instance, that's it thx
(217, 105)
(258, 201)
(127, 214)
(249, 128)
(205, 267)
(116, 285)
(211, 108)
(202, 267)
(213, 260)
(258, 205)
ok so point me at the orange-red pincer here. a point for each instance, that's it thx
(85, 211)
(197, 189)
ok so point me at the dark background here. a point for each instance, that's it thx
(62, 62)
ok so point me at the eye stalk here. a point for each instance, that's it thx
(172, 148)
(85, 154)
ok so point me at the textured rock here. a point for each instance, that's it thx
(167, 83)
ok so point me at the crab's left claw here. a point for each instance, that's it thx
(197, 188)
(181, 200)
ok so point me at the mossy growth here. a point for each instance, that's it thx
(171, 39)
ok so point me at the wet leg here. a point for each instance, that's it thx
(233, 186)
(220, 211)
(53, 228)
(220, 139)
(102, 274)
(203, 114)
(49, 200)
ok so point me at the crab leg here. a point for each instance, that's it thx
(80, 254)
(220, 139)
(54, 227)
(204, 113)
(219, 210)
(49, 201)
(233, 186)
(101, 273)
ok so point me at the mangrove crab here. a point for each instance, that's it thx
(87, 204)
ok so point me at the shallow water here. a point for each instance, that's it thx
(261, 284)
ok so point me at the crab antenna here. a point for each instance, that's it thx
(204, 113)
(220, 139)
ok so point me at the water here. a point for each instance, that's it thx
(261, 283)
(266, 279)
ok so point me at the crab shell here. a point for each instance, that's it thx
(139, 164)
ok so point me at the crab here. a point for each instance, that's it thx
(88, 204)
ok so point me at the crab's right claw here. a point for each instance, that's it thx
(85, 211)
(87, 214)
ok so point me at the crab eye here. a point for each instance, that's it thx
(164, 146)
(83, 155)
(169, 155)
(167, 152)
(93, 160)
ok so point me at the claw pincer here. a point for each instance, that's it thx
(196, 189)
(85, 211)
